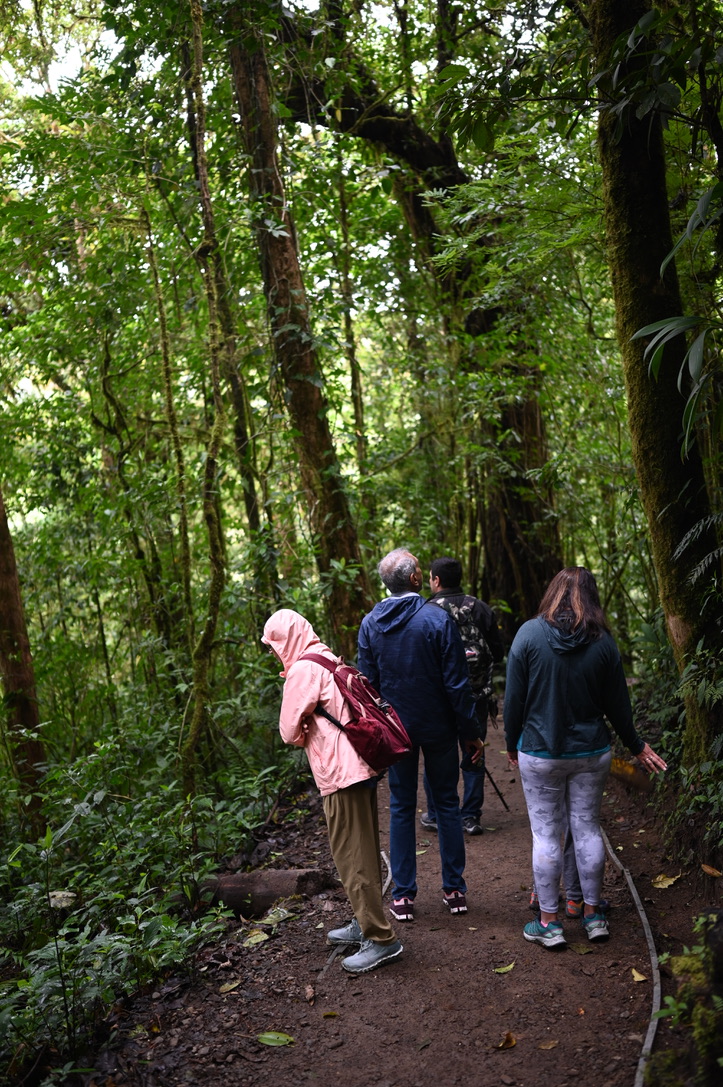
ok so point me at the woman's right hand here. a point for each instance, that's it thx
(651, 762)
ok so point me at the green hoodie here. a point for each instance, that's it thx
(560, 688)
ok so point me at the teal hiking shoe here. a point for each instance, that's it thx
(549, 935)
(596, 927)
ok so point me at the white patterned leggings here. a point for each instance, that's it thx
(552, 787)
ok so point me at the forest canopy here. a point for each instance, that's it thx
(284, 286)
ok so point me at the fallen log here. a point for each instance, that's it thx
(251, 894)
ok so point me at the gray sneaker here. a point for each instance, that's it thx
(427, 821)
(371, 955)
(349, 934)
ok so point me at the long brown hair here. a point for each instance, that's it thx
(572, 601)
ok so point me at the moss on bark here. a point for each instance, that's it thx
(672, 489)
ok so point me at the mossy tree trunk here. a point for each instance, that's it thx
(296, 359)
(20, 709)
(672, 488)
(203, 650)
(513, 533)
(519, 531)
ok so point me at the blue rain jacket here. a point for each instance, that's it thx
(413, 655)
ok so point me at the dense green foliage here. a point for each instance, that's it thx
(442, 181)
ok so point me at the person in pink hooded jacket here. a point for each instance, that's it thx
(347, 785)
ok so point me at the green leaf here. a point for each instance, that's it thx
(672, 253)
(255, 938)
(503, 969)
(453, 73)
(276, 916)
(696, 355)
(682, 322)
(274, 1038)
(669, 95)
(689, 415)
(483, 135)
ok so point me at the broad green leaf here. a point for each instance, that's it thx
(695, 356)
(453, 73)
(681, 323)
(274, 1038)
(276, 915)
(483, 135)
(254, 938)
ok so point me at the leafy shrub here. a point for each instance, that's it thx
(113, 897)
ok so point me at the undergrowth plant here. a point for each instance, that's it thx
(696, 1009)
(693, 804)
(114, 893)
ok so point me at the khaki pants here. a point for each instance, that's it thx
(353, 822)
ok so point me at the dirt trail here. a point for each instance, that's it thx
(442, 1014)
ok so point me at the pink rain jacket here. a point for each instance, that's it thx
(333, 761)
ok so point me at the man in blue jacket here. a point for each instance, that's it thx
(413, 655)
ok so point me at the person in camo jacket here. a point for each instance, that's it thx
(445, 581)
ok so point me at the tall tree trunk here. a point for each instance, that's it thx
(331, 521)
(211, 252)
(204, 646)
(347, 298)
(176, 445)
(145, 553)
(20, 709)
(515, 573)
(672, 489)
(262, 534)
(518, 528)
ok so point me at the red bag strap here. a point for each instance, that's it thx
(318, 659)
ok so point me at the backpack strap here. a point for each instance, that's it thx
(325, 713)
(317, 658)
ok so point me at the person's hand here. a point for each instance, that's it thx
(651, 762)
(475, 749)
(512, 759)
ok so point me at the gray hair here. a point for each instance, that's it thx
(396, 568)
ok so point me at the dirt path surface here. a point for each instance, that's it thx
(469, 1002)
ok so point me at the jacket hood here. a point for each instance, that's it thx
(562, 640)
(396, 611)
(290, 635)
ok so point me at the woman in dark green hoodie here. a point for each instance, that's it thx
(564, 677)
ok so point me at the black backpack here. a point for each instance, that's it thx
(478, 653)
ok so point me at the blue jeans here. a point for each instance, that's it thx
(442, 770)
(473, 796)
